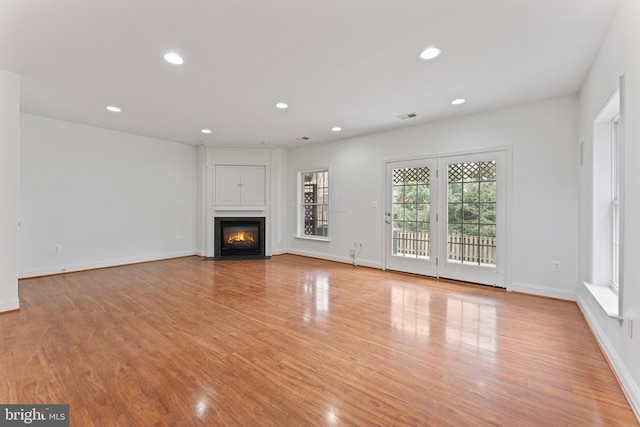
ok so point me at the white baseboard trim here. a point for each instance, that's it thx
(629, 386)
(9, 304)
(102, 264)
(542, 291)
(329, 257)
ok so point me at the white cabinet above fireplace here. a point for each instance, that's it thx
(241, 186)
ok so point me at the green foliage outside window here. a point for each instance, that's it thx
(411, 198)
(471, 199)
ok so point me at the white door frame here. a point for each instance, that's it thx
(503, 256)
(411, 264)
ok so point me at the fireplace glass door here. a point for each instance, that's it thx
(240, 238)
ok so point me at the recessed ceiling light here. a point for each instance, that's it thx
(173, 58)
(458, 101)
(206, 131)
(430, 53)
(336, 128)
(113, 108)
(281, 105)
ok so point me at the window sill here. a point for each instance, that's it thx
(318, 238)
(607, 297)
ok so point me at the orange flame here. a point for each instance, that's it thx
(240, 237)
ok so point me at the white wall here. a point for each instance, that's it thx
(105, 197)
(9, 174)
(543, 207)
(279, 227)
(618, 55)
(201, 200)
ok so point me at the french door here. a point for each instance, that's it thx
(410, 216)
(445, 217)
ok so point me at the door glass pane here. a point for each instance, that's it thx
(471, 212)
(410, 212)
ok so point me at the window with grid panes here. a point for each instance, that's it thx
(411, 212)
(472, 212)
(314, 221)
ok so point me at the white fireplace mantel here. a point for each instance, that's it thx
(239, 208)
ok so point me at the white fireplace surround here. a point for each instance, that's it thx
(238, 183)
(233, 213)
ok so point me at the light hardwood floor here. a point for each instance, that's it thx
(295, 341)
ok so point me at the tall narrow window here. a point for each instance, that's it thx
(314, 196)
(615, 202)
(607, 239)
(607, 194)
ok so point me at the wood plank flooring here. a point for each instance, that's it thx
(294, 341)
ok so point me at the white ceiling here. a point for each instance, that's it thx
(348, 63)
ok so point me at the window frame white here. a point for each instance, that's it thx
(606, 283)
(616, 180)
(300, 218)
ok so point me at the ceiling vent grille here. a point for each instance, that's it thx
(407, 116)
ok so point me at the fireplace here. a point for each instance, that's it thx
(239, 238)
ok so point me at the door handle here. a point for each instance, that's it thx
(388, 215)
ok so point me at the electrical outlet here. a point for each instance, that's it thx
(57, 248)
(178, 237)
(556, 265)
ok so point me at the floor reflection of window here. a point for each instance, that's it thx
(316, 297)
(471, 325)
(410, 310)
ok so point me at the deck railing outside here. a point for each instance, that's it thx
(475, 249)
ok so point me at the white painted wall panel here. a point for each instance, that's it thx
(9, 174)
(103, 197)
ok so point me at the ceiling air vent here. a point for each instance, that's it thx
(303, 138)
(407, 116)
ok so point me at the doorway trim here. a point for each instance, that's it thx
(507, 176)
